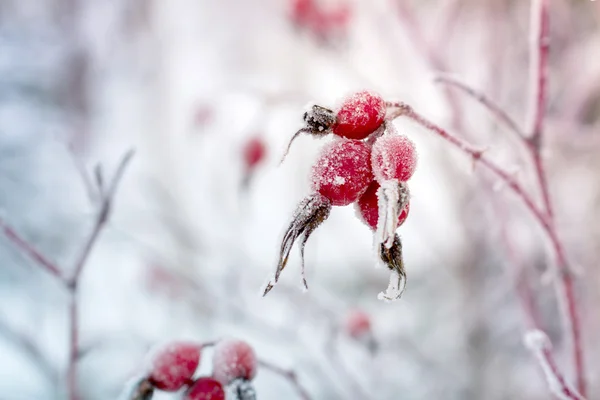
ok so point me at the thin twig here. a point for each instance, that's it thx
(289, 375)
(73, 283)
(563, 274)
(492, 107)
(540, 346)
(102, 217)
(539, 51)
(31, 251)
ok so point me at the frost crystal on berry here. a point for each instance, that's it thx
(205, 389)
(393, 157)
(360, 115)
(343, 171)
(392, 198)
(311, 213)
(368, 207)
(233, 359)
(174, 365)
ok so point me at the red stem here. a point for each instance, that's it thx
(565, 280)
(539, 344)
(73, 347)
(31, 251)
(539, 52)
(289, 375)
(488, 103)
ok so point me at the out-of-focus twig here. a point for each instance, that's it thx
(488, 103)
(290, 375)
(539, 52)
(72, 283)
(102, 216)
(563, 273)
(540, 346)
(23, 245)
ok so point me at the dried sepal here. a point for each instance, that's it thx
(318, 122)
(311, 213)
(143, 390)
(241, 389)
(392, 258)
(393, 196)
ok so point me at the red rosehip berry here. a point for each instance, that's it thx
(303, 11)
(233, 359)
(254, 152)
(393, 157)
(358, 323)
(343, 171)
(360, 115)
(368, 207)
(174, 365)
(205, 389)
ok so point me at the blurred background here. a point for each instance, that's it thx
(196, 228)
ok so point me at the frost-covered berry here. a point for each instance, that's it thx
(205, 389)
(254, 151)
(393, 157)
(233, 359)
(360, 115)
(368, 207)
(343, 171)
(358, 323)
(174, 365)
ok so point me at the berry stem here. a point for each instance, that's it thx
(289, 375)
(72, 283)
(566, 290)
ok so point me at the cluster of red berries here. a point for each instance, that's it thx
(367, 164)
(172, 368)
(323, 23)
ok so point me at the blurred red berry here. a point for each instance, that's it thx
(358, 323)
(360, 115)
(343, 171)
(174, 365)
(393, 157)
(205, 389)
(303, 11)
(254, 152)
(368, 207)
(233, 359)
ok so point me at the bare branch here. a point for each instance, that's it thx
(540, 346)
(492, 107)
(22, 244)
(286, 374)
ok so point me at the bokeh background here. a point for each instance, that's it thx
(187, 83)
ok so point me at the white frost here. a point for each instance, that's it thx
(395, 288)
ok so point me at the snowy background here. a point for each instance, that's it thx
(185, 83)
